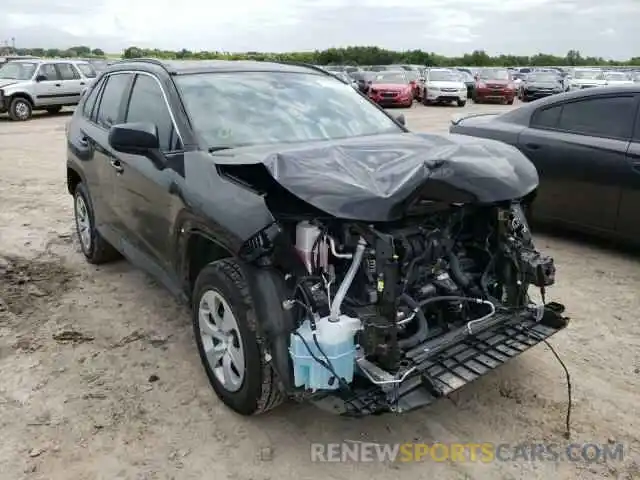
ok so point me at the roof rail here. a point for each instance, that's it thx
(142, 60)
(302, 64)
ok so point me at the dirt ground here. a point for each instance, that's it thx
(100, 378)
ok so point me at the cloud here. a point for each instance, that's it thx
(449, 27)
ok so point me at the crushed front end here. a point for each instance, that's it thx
(391, 317)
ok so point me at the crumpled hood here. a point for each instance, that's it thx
(370, 178)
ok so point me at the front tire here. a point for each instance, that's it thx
(95, 248)
(462, 103)
(20, 109)
(231, 348)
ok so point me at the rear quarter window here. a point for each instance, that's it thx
(546, 117)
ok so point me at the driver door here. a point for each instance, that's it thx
(143, 202)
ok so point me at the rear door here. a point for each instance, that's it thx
(143, 203)
(72, 83)
(580, 148)
(108, 110)
(629, 215)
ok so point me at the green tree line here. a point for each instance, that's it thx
(357, 55)
(72, 52)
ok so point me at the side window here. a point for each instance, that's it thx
(546, 117)
(67, 72)
(111, 99)
(610, 117)
(90, 101)
(49, 71)
(147, 105)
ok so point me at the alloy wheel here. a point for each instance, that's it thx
(221, 340)
(22, 110)
(83, 223)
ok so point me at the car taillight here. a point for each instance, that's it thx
(511, 86)
(481, 85)
(373, 90)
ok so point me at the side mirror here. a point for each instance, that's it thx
(41, 78)
(401, 119)
(134, 138)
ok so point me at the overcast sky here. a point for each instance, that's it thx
(607, 28)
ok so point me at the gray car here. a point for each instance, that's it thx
(35, 84)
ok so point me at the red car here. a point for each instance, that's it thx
(494, 84)
(391, 88)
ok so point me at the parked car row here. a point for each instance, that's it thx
(585, 145)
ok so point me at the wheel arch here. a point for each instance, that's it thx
(198, 248)
(24, 95)
(74, 177)
(267, 287)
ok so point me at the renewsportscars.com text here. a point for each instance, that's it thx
(466, 452)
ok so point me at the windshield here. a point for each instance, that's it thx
(588, 75)
(542, 77)
(258, 108)
(390, 77)
(18, 70)
(443, 76)
(497, 74)
(616, 76)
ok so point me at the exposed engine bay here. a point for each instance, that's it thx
(407, 262)
(372, 303)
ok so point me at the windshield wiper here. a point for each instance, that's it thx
(218, 149)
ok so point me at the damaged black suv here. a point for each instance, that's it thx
(328, 254)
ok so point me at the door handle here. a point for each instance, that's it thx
(82, 83)
(532, 146)
(58, 84)
(117, 165)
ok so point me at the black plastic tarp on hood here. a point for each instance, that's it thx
(365, 178)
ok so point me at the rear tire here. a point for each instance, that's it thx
(231, 348)
(20, 109)
(54, 110)
(510, 102)
(95, 248)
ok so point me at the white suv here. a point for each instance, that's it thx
(35, 84)
(444, 85)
